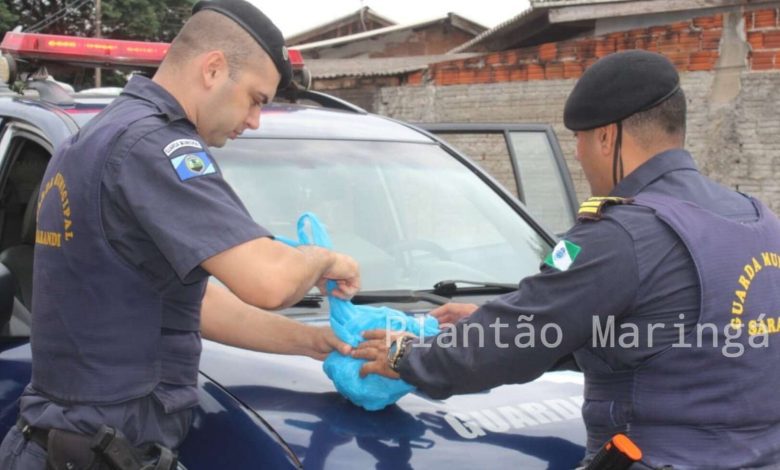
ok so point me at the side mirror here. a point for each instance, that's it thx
(7, 291)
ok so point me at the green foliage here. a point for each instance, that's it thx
(8, 19)
(139, 20)
(142, 20)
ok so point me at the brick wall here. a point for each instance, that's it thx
(763, 34)
(734, 100)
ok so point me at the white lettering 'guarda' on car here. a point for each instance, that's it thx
(473, 424)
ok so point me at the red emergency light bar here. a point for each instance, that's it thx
(96, 51)
(84, 50)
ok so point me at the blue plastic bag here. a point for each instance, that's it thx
(348, 322)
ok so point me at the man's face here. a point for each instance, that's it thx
(595, 161)
(234, 104)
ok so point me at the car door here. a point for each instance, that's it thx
(526, 159)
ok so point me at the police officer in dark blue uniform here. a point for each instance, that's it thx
(134, 216)
(684, 269)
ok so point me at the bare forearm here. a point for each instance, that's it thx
(271, 275)
(228, 320)
(315, 262)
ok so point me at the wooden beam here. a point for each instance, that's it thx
(568, 14)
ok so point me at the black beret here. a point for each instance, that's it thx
(618, 86)
(259, 26)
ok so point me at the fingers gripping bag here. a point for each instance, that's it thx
(348, 322)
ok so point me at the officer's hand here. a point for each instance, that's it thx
(374, 350)
(449, 314)
(323, 341)
(346, 273)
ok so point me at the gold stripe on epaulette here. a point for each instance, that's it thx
(592, 208)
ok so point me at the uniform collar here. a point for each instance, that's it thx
(653, 169)
(148, 90)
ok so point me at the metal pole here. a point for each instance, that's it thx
(98, 74)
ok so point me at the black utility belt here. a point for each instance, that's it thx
(108, 449)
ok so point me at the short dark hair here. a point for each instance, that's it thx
(667, 120)
(207, 31)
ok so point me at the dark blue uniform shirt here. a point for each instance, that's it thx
(164, 216)
(647, 277)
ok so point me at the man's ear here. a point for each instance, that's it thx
(605, 136)
(214, 68)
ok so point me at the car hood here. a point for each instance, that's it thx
(529, 426)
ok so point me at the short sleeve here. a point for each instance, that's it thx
(171, 186)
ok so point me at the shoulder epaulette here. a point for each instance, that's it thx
(593, 207)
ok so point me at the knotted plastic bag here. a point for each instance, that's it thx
(348, 322)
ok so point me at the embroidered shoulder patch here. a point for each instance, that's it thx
(193, 165)
(563, 255)
(593, 207)
(181, 143)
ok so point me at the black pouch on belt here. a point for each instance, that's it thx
(71, 451)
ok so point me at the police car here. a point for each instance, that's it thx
(416, 213)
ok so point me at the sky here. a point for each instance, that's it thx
(295, 16)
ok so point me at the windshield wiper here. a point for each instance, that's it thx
(398, 295)
(403, 296)
(310, 301)
(449, 288)
(441, 294)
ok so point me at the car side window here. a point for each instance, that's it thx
(544, 186)
(525, 158)
(23, 162)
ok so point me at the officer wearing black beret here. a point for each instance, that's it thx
(121, 305)
(679, 266)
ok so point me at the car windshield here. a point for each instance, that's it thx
(410, 213)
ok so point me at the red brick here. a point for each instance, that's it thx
(548, 52)
(567, 51)
(605, 47)
(710, 40)
(519, 74)
(586, 49)
(553, 71)
(468, 76)
(704, 60)
(709, 22)
(690, 41)
(651, 45)
(572, 69)
(756, 40)
(535, 72)
(415, 78)
(765, 19)
(762, 60)
(658, 30)
(668, 48)
(680, 26)
(638, 43)
(529, 54)
(772, 40)
(494, 59)
(446, 77)
(749, 21)
(700, 66)
(669, 39)
(681, 60)
(777, 60)
(501, 75)
(623, 43)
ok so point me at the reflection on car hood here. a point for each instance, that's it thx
(535, 425)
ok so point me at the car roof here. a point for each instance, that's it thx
(293, 121)
(278, 120)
